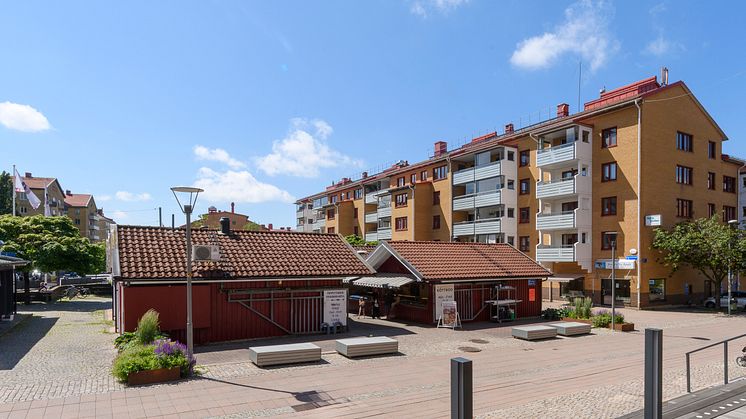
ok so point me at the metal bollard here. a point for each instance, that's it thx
(653, 374)
(462, 398)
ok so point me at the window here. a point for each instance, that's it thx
(413, 178)
(423, 175)
(729, 184)
(330, 214)
(334, 199)
(657, 289)
(684, 142)
(608, 206)
(684, 175)
(348, 195)
(511, 155)
(24, 210)
(400, 181)
(524, 214)
(511, 184)
(436, 222)
(436, 198)
(330, 230)
(711, 211)
(525, 187)
(608, 172)
(608, 138)
(525, 158)
(711, 149)
(359, 193)
(569, 239)
(77, 221)
(384, 223)
(400, 200)
(511, 212)
(354, 213)
(729, 213)
(569, 206)
(511, 240)
(710, 181)
(607, 238)
(523, 243)
(401, 223)
(684, 208)
(440, 172)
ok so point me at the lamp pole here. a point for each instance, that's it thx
(613, 283)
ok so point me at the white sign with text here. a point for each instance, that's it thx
(335, 306)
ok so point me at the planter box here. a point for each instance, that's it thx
(161, 375)
(570, 319)
(624, 327)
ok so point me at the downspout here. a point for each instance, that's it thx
(740, 225)
(413, 210)
(639, 198)
(450, 185)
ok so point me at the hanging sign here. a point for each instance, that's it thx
(443, 292)
(653, 220)
(335, 306)
(620, 264)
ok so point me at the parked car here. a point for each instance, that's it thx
(739, 296)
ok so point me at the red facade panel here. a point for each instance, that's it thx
(170, 303)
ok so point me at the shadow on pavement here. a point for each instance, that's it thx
(19, 341)
(76, 305)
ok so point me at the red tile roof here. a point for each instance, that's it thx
(38, 182)
(77, 199)
(160, 253)
(455, 260)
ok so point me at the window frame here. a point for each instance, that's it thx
(521, 219)
(606, 210)
(436, 197)
(712, 150)
(402, 221)
(711, 181)
(527, 182)
(440, 173)
(684, 175)
(521, 243)
(604, 166)
(527, 155)
(436, 222)
(604, 244)
(401, 181)
(404, 202)
(729, 180)
(682, 205)
(604, 143)
(681, 143)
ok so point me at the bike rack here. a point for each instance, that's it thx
(725, 360)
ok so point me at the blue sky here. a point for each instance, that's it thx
(264, 102)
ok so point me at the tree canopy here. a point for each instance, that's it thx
(51, 244)
(706, 245)
(358, 241)
(6, 193)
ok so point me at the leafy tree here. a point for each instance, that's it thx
(359, 241)
(252, 226)
(706, 245)
(6, 193)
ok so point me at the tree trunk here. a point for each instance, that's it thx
(26, 288)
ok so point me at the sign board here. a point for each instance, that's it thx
(631, 257)
(443, 292)
(531, 282)
(653, 220)
(449, 315)
(335, 306)
(620, 264)
(532, 294)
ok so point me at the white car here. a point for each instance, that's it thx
(740, 297)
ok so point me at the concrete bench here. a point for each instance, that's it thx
(534, 332)
(571, 328)
(367, 346)
(284, 354)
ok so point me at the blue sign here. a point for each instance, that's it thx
(531, 282)
(11, 254)
(631, 257)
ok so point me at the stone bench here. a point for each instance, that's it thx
(284, 354)
(571, 328)
(354, 347)
(534, 332)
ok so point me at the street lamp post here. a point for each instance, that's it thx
(187, 208)
(731, 223)
(613, 283)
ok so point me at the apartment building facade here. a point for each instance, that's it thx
(55, 196)
(563, 191)
(82, 209)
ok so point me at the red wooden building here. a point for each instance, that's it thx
(487, 281)
(264, 283)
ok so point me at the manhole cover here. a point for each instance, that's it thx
(479, 341)
(469, 349)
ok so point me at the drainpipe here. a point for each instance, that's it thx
(738, 207)
(639, 198)
(413, 211)
(450, 185)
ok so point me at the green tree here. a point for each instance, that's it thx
(252, 226)
(705, 245)
(6, 193)
(354, 240)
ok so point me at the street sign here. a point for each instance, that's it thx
(653, 220)
(631, 257)
(620, 264)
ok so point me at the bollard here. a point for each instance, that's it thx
(653, 374)
(462, 402)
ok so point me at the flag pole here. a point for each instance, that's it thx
(13, 189)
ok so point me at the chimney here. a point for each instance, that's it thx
(563, 109)
(28, 174)
(509, 128)
(269, 226)
(225, 226)
(233, 207)
(68, 193)
(263, 226)
(441, 148)
(664, 76)
(365, 175)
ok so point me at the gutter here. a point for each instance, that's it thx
(639, 198)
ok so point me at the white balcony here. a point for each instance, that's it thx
(478, 200)
(469, 228)
(372, 236)
(565, 220)
(371, 198)
(477, 173)
(384, 234)
(384, 212)
(555, 254)
(371, 217)
(318, 224)
(558, 154)
(556, 188)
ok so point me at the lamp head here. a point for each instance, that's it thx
(189, 194)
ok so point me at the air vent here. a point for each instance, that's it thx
(205, 253)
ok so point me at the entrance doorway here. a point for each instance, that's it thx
(622, 293)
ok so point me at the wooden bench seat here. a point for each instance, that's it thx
(354, 347)
(534, 332)
(571, 328)
(284, 354)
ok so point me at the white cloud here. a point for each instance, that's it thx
(218, 155)
(118, 215)
(22, 118)
(103, 198)
(238, 186)
(661, 46)
(132, 197)
(304, 151)
(583, 33)
(424, 7)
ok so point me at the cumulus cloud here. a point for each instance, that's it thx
(583, 33)
(218, 155)
(238, 186)
(22, 118)
(304, 151)
(423, 8)
(118, 215)
(103, 198)
(132, 197)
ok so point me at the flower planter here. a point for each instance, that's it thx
(570, 319)
(624, 327)
(161, 375)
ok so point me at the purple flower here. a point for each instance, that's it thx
(602, 313)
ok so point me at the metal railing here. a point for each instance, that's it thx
(725, 360)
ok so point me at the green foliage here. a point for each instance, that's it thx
(134, 359)
(582, 308)
(148, 327)
(354, 240)
(6, 193)
(556, 313)
(604, 319)
(125, 340)
(706, 245)
(51, 244)
(252, 226)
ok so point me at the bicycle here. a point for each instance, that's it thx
(741, 360)
(74, 291)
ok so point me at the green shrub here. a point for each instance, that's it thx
(564, 312)
(134, 359)
(602, 320)
(147, 327)
(587, 306)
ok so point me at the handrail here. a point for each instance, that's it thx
(471, 195)
(556, 214)
(481, 220)
(725, 360)
(475, 167)
(556, 147)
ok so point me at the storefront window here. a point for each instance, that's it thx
(657, 289)
(572, 288)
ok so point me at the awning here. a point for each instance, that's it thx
(349, 279)
(563, 278)
(383, 281)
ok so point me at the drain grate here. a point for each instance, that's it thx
(482, 341)
(469, 349)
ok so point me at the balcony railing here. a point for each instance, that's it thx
(556, 188)
(557, 154)
(565, 253)
(565, 219)
(318, 224)
(371, 217)
(384, 233)
(477, 173)
(371, 236)
(477, 200)
(469, 228)
(384, 212)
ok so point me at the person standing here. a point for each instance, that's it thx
(387, 302)
(376, 309)
(361, 307)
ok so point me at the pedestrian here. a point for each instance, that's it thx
(387, 302)
(361, 307)
(376, 309)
